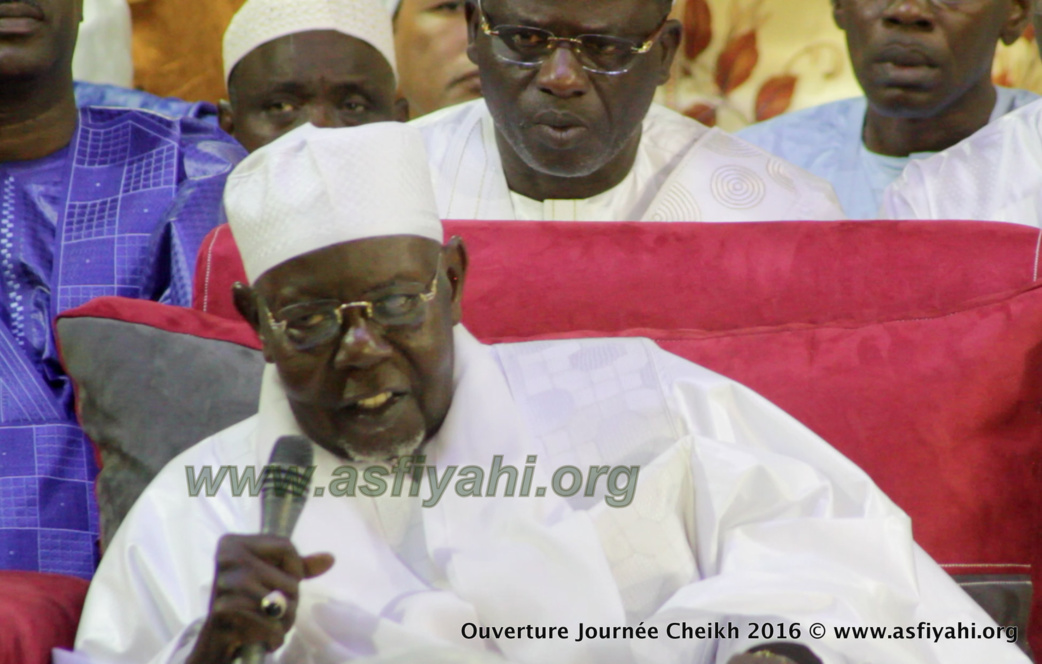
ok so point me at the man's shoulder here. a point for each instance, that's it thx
(114, 96)
(979, 176)
(112, 123)
(1018, 134)
(198, 146)
(772, 187)
(228, 448)
(806, 129)
(451, 117)
(445, 131)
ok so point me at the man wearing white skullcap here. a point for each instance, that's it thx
(742, 517)
(567, 129)
(327, 62)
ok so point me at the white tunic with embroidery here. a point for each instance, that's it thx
(683, 171)
(740, 515)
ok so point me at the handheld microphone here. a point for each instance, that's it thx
(284, 488)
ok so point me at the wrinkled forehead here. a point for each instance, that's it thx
(351, 269)
(586, 15)
(302, 56)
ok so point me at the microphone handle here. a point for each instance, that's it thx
(252, 653)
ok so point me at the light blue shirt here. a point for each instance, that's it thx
(826, 140)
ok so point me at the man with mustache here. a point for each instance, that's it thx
(994, 175)
(430, 41)
(741, 514)
(567, 129)
(96, 201)
(925, 68)
(326, 62)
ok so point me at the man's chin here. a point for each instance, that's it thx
(384, 453)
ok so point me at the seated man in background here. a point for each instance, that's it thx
(430, 42)
(327, 62)
(567, 129)
(925, 68)
(994, 175)
(92, 202)
(741, 515)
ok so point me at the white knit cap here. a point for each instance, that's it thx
(392, 6)
(262, 21)
(312, 188)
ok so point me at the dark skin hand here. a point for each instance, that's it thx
(248, 568)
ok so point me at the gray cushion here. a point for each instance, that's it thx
(146, 394)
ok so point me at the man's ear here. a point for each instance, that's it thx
(225, 117)
(670, 40)
(1017, 22)
(454, 257)
(401, 109)
(470, 10)
(245, 299)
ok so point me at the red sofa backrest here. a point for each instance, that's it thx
(529, 279)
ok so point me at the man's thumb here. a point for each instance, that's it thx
(317, 564)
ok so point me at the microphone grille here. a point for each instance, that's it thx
(291, 451)
(288, 467)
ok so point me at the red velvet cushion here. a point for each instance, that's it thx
(38, 612)
(532, 278)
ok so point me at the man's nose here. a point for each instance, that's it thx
(561, 74)
(910, 13)
(325, 116)
(359, 346)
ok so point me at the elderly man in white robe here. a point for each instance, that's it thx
(567, 130)
(994, 175)
(648, 497)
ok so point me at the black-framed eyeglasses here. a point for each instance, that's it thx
(530, 47)
(310, 324)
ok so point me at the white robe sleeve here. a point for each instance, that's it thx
(788, 531)
(151, 593)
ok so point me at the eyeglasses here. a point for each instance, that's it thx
(530, 47)
(310, 324)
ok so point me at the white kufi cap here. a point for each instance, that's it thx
(262, 21)
(313, 188)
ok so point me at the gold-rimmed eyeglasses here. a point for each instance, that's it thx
(308, 325)
(530, 47)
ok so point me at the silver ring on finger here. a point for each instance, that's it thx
(274, 604)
